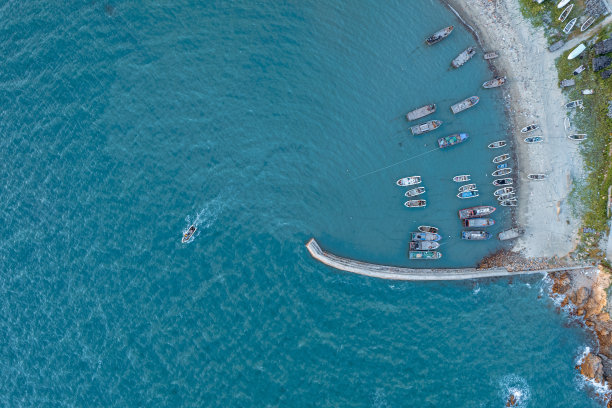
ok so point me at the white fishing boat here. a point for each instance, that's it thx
(511, 233)
(425, 127)
(574, 104)
(501, 172)
(509, 203)
(494, 83)
(529, 128)
(565, 13)
(467, 187)
(570, 25)
(579, 69)
(188, 234)
(585, 26)
(507, 196)
(534, 139)
(563, 3)
(579, 137)
(503, 182)
(588, 91)
(461, 178)
(501, 158)
(428, 228)
(408, 181)
(420, 112)
(415, 192)
(464, 57)
(576, 52)
(490, 55)
(415, 203)
(503, 190)
(497, 145)
(536, 176)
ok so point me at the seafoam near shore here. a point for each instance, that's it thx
(532, 95)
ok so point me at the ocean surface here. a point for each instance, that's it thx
(265, 124)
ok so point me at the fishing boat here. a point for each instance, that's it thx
(570, 25)
(467, 187)
(464, 57)
(563, 3)
(452, 140)
(408, 181)
(501, 158)
(511, 233)
(490, 55)
(423, 245)
(585, 26)
(588, 92)
(188, 234)
(577, 137)
(425, 127)
(424, 236)
(503, 182)
(554, 47)
(504, 190)
(464, 104)
(502, 166)
(567, 124)
(461, 178)
(534, 139)
(494, 83)
(501, 172)
(475, 235)
(415, 203)
(579, 69)
(415, 192)
(509, 203)
(507, 196)
(424, 255)
(468, 194)
(573, 104)
(478, 222)
(497, 145)
(536, 176)
(529, 128)
(420, 112)
(566, 83)
(476, 212)
(576, 52)
(565, 13)
(439, 35)
(428, 228)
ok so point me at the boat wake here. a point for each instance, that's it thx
(205, 218)
(514, 389)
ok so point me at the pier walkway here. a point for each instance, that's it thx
(414, 274)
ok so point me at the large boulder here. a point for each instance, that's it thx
(603, 47)
(600, 63)
(581, 295)
(561, 283)
(592, 368)
(607, 367)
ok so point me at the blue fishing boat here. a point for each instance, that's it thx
(468, 194)
(502, 166)
(452, 140)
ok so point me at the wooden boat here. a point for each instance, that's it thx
(501, 158)
(502, 166)
(497, 145)
(424, 255)
(554, 47)
(415, 192)
(573, 104)
(566, 83)
(494, 83)
(504, 190)
(576, 52)
(420, 112)
(509, 203)
(439, 35)
(565, 13)
(425, 127)
(534, 139)
(563, 3)
(464, 104)
(452, 140)
(585, 26)
(415, 203)
(507, 196)
(536, 176)
(408, 181)
(424, 236)
(579, 69)
(478, 222)
(567, 124)
(476, 212)
(423, 245)
(490, 55)
(188, 234)
(511, 233)
(503, 182)
(468, 194)
(501, 172)
(464, 57)
(529, 128)
(577, 137)
(461, 178)
(588, 91)
(570, 25)
(467, 187)
(428, 228)
(475, 235)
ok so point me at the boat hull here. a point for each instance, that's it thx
(425, 255)
(452, 140)
(408, 181)
(465, 104)
(475, 235)
(424, 236)
(476, 212)
(478, 222)
(439, 35)
(421, 112)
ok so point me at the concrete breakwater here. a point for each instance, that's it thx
(415, 274)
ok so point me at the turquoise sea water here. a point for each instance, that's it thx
(123, 123)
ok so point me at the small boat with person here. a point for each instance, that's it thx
(424, 236)
(536, 176)
(570, 25)
(428, 228)
(565, 13)
(490, 55)
(503, 182)
(497, 145)
(467, 187)
(408, 181)
(501, 172)
(503, 190)
(461, 178)
(427, 255)
(425, 127)
(579, 137)
(585, 26)
(476, 212)
(423, 245)
(494, 83)
(478, 222)
(415, 203)
(529, 128)
(534, 139)
(501, 158)
(464, 57)
(188, 234)
(418, 113)
(439, 35)
(475, 235)
(414, 191)
(574, 104)
(468, 194)
(464, 104)
(452, 140)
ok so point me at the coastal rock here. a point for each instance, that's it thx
(607, 367)
(600, 63)
(580, 296)
(592, 368)
(561, 283)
